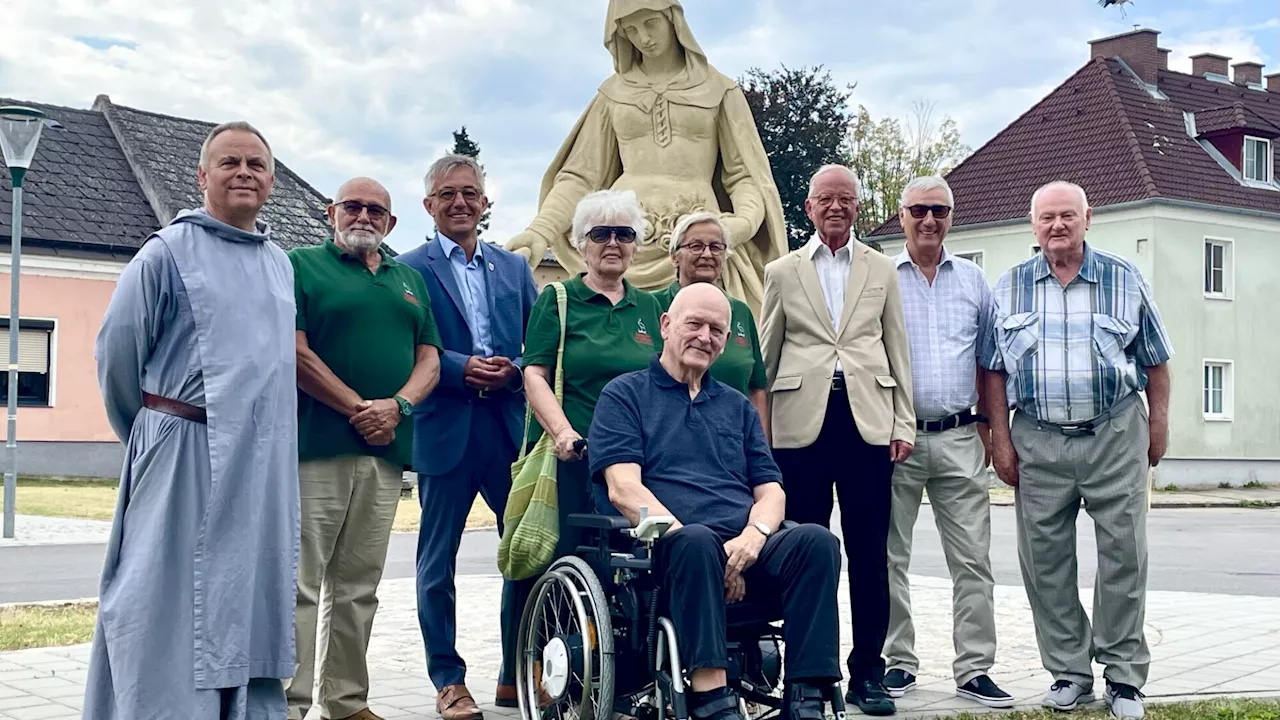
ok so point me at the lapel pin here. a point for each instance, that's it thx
(490, 267)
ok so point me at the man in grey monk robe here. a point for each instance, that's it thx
(196, 363)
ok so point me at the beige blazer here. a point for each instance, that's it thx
(800, 349)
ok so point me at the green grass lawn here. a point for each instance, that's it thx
(37, 626)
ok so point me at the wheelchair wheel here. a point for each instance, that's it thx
(564, 651)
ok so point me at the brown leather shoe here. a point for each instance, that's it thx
(455, 703)
(505, 696)
(365, 714)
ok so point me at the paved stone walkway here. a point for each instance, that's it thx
(37, 530)
(1202, 645)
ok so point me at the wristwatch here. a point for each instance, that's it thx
(406, 408)
(764, 529)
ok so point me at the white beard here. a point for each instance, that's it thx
(360, 240)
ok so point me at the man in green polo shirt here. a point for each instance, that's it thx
(367, 353)
(698, 251)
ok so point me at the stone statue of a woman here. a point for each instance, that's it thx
(680, 134)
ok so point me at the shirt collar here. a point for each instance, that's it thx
(815, 244)
(448, 246)
(341, 254)
(1088, 266)
(663, 379)
(905, 257)
(578, 286)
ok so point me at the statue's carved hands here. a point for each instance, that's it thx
(740, 229)
(530, 245)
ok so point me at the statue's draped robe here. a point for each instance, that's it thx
(196, 603)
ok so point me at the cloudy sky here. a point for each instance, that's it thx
(375, 87)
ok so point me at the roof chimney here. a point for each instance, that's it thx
(1247, 73)
(1164, 58)
(1136, 48)
(1205, 63)
(1273, 82)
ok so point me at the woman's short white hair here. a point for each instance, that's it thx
(927, 182)
(699, 218)
(607, 207)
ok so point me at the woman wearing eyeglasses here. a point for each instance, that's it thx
(699, 252)
(611, 328)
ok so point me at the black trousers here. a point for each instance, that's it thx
(863, 478)
(796, 572)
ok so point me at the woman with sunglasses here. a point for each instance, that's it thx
(699, 252)
(611, 328)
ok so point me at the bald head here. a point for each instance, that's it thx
(361, 215)
(694, 329)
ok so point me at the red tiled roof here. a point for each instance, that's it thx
(1102, 130)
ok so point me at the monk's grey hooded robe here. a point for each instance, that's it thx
(196, 603)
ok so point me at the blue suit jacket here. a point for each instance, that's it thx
(442, 422)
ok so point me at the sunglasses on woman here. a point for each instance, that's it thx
(602, 233)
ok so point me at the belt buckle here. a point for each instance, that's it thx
(1077, 430)
(482, 393)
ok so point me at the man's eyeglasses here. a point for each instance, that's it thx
(939, 211)
(717, 248)
(448, 195)
(824, 201)
(354, 208)
(602, 233)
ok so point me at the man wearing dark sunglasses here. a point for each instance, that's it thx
(367, 353)
(947, 304)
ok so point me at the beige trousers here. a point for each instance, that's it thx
(949, 464)
(1108, 471)
(348, 506)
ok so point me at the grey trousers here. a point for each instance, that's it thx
(1109, 471)
(949, 465)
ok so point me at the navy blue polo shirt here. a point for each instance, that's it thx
(701, 457)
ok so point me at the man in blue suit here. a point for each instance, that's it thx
(466, 433)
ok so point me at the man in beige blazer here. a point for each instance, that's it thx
(835, 345)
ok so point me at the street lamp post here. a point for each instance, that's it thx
(19, 134)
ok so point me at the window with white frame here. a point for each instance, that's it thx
(1217, 389)
(35, 342)
(974, 257)
(1257, 159)
(1218, 268)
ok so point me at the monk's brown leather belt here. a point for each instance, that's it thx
(176, 408)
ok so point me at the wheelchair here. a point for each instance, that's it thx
(592, 643)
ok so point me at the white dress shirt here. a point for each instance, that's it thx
(833, 274)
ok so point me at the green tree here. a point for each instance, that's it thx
(803, 120)
(464, 145)
(888, 153)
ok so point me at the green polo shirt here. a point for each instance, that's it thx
(740, 366)
(602, 341)
(367, 328)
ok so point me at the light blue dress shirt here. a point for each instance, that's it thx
(472, 284)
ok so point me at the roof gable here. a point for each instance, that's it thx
(114, 174)
(1105, 130)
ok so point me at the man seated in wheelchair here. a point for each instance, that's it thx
(673, 440)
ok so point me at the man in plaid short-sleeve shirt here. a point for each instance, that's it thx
(1076, 337)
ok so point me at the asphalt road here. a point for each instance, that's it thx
(1215, 550)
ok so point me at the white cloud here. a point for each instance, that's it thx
(375, 88)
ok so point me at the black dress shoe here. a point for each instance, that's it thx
(871, 698)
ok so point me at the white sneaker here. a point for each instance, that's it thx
(1125, 702)
(1065, 695)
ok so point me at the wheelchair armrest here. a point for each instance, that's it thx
(598, 522)
(788, 524)
(651, 528)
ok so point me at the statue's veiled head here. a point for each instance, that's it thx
(639, 28)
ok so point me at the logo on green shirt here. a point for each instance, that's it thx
(642, 334)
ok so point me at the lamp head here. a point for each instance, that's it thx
(19, 134)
